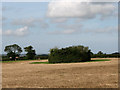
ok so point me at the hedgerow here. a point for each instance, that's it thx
(69, 54)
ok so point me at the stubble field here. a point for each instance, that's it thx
(103, 74)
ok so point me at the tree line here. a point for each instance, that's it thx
(14, 51)
(100, 54)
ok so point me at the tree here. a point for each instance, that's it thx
(100, 53)
(30, 52)
(13, 51)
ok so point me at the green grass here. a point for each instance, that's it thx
(14, 61)
(98, 60)
(41, 63)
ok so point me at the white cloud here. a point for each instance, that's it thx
(102, 30)
(70, 31)
(70, 26)
(28, 21)
(71, 9)
(59, 20)
(18, 32)
(67, 29)
(31, 22)
(8, 32)
(21, 31)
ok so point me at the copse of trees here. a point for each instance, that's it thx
(13, 51)
(69, 54)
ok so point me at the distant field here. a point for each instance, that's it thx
(98, 74)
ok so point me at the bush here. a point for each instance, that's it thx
(5, 59)
(41, 56)
(69, 54)
(23, 58)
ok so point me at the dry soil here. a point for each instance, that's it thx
(21, 74)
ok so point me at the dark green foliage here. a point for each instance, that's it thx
(104, 55)
(12, 55)
(100, 53)
(5, 58)
(23, 58)
(42, 56)
(13, 51)
(30, 52)
(69, 54)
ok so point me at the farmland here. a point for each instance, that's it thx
(22, 74)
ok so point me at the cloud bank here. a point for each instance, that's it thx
(103, 30)
(18, 32)
(31, 22)
(82, 10)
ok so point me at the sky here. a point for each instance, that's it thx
(45, 25)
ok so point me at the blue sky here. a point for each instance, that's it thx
(46, 25)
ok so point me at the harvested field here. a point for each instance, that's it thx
(21, 74)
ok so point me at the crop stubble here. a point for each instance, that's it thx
(102, 74)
